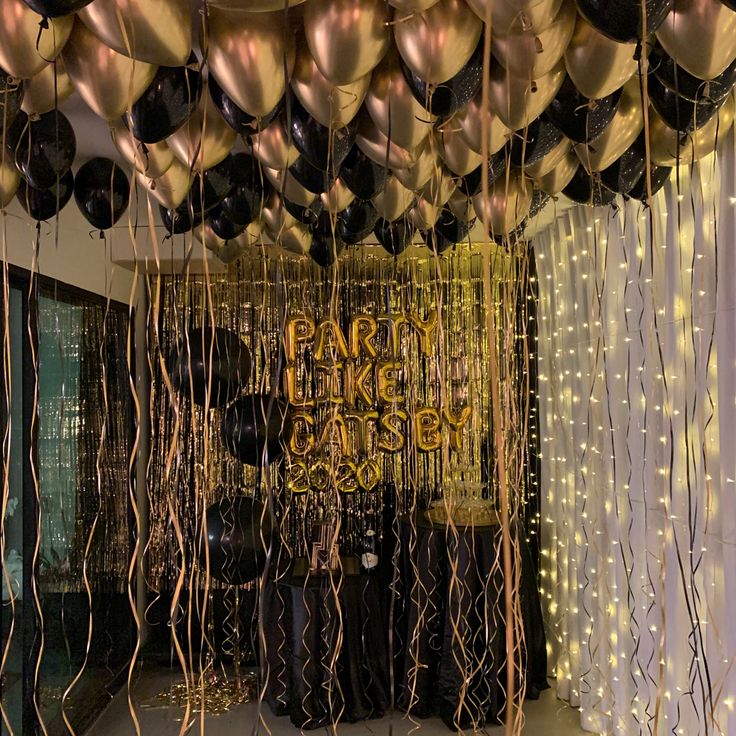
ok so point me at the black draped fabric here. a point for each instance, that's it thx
(326, 649)
(450, 635)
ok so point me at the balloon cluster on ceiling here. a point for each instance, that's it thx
(330, 121)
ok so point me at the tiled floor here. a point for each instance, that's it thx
(545, 717)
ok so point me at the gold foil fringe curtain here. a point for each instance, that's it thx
(255, 300)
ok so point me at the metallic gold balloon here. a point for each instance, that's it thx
(156, 31)
(439, 188)
(287, 185)
(19, 29)
(296, 239)
(471, 128)
(172, 187)
(237, 247)
(555, 180)
(418, 174)
(549, 161)
(43, 93)
(151, 159)
(428, 424)
(423, 215)
(205, 139)
(700, 35)
(411, 6)
(461, 206)
(438, 42)
(271, 146)
(454, 150)
(338, 198)
(347, 38)
(107, 81)
(507, 204)
(328, 104)
(392, 106)
(518, 101)
(505, 14)
(376, 146)
(394, 200)
(253, 6)
(9, 180)
(620, 133)
(275, 216)
(246, 56)
(534, 53)
(670, 147)
(597, 65)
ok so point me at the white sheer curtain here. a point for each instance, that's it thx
(637, 396)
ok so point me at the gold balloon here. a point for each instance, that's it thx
(335, 432)
(376, 146)
(670, 147)
(299, 329)
(238, 246)
(439, 188)
(394, 200)
(507, 204)
(347, 38)
(302, 437)
(506, 14)
(392, 436)
(156, 31)
(620, 133)
(597, 65)
(296, 239)
(363, 330)
(438, 42)
(9, 180)
(107, 81)
(275, 216)
(319, 476)
(427, 331)
(247, 52)
(338, 198)
(151, 159)
(296, 393)
(555, 180)
(461, 206)
(43, 93)
(388, 382)
(369, 474)
(253, 6)
(392, 106)
(346, 476)
(424, 215)
(518, 101)
(471, 127)
(700, 35)
(455, 152)
(549, 161)
(426, 163)
(329, 105)
(271, 146)
(286, 184)
(172, 187)
(205, 139)
(456, 421)
(208, 237)
(428, 423)
(534, 53)
(19, 29)
(412, 6)
(297, 477)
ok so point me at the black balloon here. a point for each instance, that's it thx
(243, 202)
(534, 142)
(395, 236)
(447, 231)
(43, 204)
(579, 118)
(56, 8)
(102, 191)
(223, 226)
(361, 175)
(446, 98)
(210, 188)
(312, 140)
(685, 84)
(679, 113)
(179, 220)
(658, 178)
(43, 149)
(310, 177)
(356, 221)
(538, 203)
(621, 20)
(472, 183)
(622, 175)
(326, 245)
(587, 189)
(307, 215)
(227, 373)
(239, 533)
(254, 423)
(167, 103)
(239, 120)
(11, 98)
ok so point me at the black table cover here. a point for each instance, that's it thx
(326, 649)
(450, 643)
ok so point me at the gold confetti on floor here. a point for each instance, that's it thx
(217, 696)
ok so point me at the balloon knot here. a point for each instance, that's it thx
(102, 234)
(637, 51)
(44, 24)
(534, 85)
